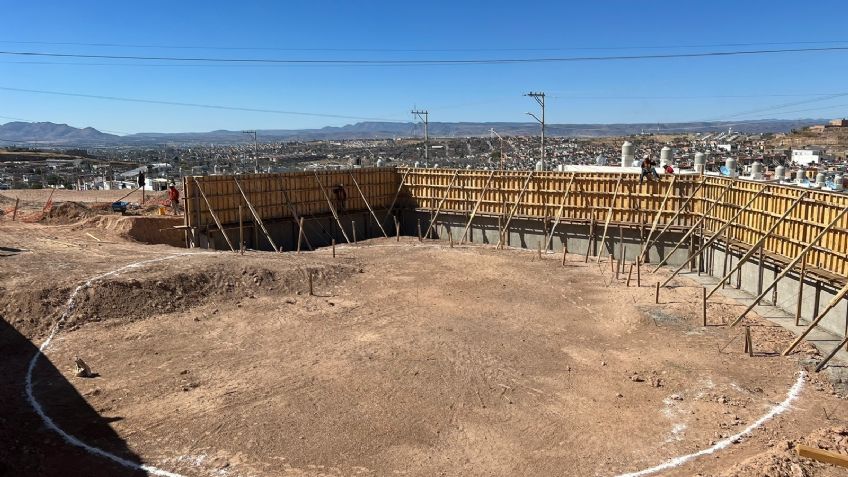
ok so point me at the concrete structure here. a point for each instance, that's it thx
(805, 157)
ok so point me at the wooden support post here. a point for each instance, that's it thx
(694, 227)
(505, 230)
(760, 269)
(749, 344)
(648, 242)
(256, 216)
(753, 249)
(659, 214)
(540, 249)
(630, 274)
(353, 230)
(839, 296)
(441, 203)
(621, 256)
(397, 194)
(609, 217)
(214, 217)
(333, 243)
(397, 229)
(830, 356)
(727, 254)
(657, 295)
(820, 455)
(332, 209)
(639, 272)
(311, 289)
(296, 218)
(450, 237)
(617, 267)
(241, 232)
(15, 212)
(476, 206)
(367, 204)
(724, 227)
(591, 236)
(564, 252)
(561, 209)
(299, 233)
(800, 298)
(612, 263)
(420, 238)
(792, 264)
(704, 303)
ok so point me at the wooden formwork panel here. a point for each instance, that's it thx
(274, 195)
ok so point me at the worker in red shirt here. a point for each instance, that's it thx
(174, 196)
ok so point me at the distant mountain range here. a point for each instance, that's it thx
(63, 135)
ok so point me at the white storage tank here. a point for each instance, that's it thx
(757, 171)
(601, 161)
(779, 173)
(821, 179)
(627, 154)
(800, 175)
(666, 156)
(417, 164)
(379, 163)
(730, 164)
(700, 162)
(838, 183)
(540, 166)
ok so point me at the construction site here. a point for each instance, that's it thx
(411, 321)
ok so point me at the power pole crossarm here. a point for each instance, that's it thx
(540, 98)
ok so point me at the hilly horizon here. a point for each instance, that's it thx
(48, 133)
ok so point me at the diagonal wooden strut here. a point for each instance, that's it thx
(256, 216)
(332, 209)
(716, 235)
(505, 228)
(649, 243)
(368, 205)
(609, 216)
(301, 232)
(214, 215)
(559, 212)
(827, 359)
(835, 301)
(476, 206)
(397, 194)
(658, 215)
(759, 243)
(441, 202)
(792, 265)
(695, 226)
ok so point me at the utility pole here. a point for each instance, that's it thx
(540, 98)
(255, 152)
(494, 133)
(423, 115)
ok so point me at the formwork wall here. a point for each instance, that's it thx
(273, 196)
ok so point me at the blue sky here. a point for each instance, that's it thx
(651, 90)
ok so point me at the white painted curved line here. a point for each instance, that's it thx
(36, 406)
(791, 395)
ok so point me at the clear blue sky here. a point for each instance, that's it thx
(652, 90)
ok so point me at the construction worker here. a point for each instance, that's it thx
(174, 197)
(647, 169)
(668, 169)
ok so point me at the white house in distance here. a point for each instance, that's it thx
(807, 156)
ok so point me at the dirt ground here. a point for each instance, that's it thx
(410, 359)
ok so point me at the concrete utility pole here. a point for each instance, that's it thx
(255, 152)
(540, 98)
(423, 115)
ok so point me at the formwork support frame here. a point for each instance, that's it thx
(560, 211)
(256, 216)
(441, 203)
(332, 209)
(609, 216)
(505, 228)
(476, 206)
(368, 205)
(649, 243)
(214, 216)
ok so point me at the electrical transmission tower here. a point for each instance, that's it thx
(540, 98)
(423, 115)
(255, 151)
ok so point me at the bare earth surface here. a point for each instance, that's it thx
(411, 359)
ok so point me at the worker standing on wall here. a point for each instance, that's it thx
(141, 185)
(174, 196)
(647, 169)
(341, 198)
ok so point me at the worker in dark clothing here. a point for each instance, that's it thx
(647, 170)
(341, 197)
(141, 185)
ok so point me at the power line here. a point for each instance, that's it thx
(196, 105)
(446, 62)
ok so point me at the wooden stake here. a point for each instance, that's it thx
(753, 249)
(15, 212)
(564, 252)
(609, 216)
(657, 297)
(241, 232)
(820, 455)
(639, 272)
(704, 303)
(540, 249)
(311, 289)
(630, 274)
(839, 296)
(353, 230)
(299, 233)
(800, 299)
(749, 345)
(397, 229)
(256, 216)
(591, 236)
(333, 242)
(830, 356)
(419, 231)
(215, 217)
(621, 256)
(790, 266)
(450, 237)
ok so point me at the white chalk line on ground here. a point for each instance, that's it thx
(36, 406)
(791, 395)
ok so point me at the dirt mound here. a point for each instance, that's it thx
(72, 212)
(152, 292)
(783, 460)
(145, 229)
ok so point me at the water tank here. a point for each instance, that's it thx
(821, 179)
(800, 175)
(540, 166)
(601, 161)
(627, 154)
(435, 166)
(700, 162)
(838, 182)
(666, 156)
(379, 163)
(757, 171)
(779, 173)
(730, 164)
(468, 166)
(417, 164)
